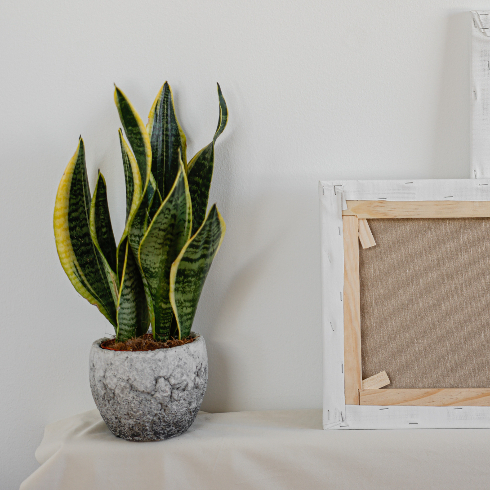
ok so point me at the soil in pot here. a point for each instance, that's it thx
(144, 343)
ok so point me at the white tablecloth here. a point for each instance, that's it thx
(260, 450)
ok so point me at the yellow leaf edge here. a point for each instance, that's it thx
(62, 235)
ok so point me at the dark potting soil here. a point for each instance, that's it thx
(144, 343)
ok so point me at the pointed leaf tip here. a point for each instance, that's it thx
(136, 134)
(166, 138)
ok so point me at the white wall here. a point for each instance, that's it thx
(316, 90)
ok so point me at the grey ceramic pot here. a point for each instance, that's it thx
(149, 395)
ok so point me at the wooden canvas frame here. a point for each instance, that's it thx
(345, 207)
(358, 212)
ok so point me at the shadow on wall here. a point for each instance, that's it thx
(452, 125)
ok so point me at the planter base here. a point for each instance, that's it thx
(150, 395)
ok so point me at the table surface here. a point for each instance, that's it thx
(280, 449)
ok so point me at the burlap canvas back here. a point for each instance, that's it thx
(425, 302)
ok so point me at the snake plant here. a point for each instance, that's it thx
(156, 273)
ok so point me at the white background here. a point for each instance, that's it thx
(316, 90)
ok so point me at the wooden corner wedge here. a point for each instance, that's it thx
(375, 382)
(365, 235)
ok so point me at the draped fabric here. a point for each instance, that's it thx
(268, 450)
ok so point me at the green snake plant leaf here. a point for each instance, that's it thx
(102, 234)
(141, 153)
(189, 271)
(167, 234)
(200, 176)
(167, 140)
(128, 175)
(154, 198)
(136, 133)
(132, 313)
(140, 143)
(78, 255)
(134, 189)
(223, 115)
(140, 221)
(132, 177)
(135, 232)
(139, 224)
(201, 170)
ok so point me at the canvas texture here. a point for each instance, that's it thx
(425, 302)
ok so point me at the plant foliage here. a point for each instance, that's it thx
(156, 273)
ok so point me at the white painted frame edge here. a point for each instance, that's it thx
(480, 95)
(332, 267)
(336, 414)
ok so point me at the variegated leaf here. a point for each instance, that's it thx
(132, 312)
(155, 199)
(78, 255)
(102, 234)
(189, 271)
(139, 223)
(164, 239)
(134, 189)
(167, 140)
(138, 137)
(132, 177)
(201, 170)
(200, 176)
(223, 115)
(136, 133)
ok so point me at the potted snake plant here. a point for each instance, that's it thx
(147, 386)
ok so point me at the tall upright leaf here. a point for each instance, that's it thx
(137, 228)
(190, 269)
(128, 174)
(164, 239)
(102, 234)
(132, 177)
(201, 170)
(136, 133)
(141, 149)
(100, 223)
(134, 194)
(167, 140)
(78, 255)
(132, 312)
(143, 218)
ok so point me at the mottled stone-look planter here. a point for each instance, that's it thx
(149, 395)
